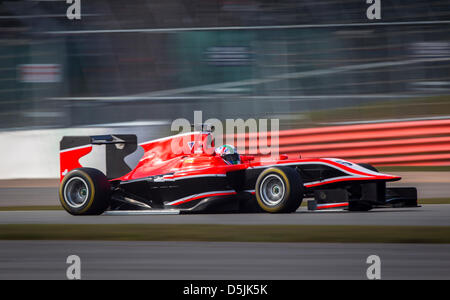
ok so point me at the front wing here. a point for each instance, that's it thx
(374, 198)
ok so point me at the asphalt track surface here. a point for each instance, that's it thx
(206, 260)
(428, 215)
(213, 260)
(28, 196)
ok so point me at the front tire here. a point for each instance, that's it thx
(85, 191)
(279, 190)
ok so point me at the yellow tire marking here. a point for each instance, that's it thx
(92, 190)
(288, 189)
(91, 200)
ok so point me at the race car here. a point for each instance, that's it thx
(186, 173)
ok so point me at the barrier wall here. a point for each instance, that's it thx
(412, 143)
(35, 153)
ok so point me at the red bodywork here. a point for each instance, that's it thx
(174, 156)
(184, 168)
(69, 159)
(193, 154)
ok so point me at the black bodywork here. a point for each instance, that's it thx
(157, 192)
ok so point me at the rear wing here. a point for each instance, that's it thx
(118, 146)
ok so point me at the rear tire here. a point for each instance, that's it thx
(85, 191)
(279, 190)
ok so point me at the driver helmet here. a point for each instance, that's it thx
(229, 154)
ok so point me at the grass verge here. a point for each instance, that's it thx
(434, 201)
(229, 233)
(35, 207)
(392, 109)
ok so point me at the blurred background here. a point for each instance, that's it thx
(135, 66)
(341, 85)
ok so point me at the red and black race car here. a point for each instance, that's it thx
(203, 179)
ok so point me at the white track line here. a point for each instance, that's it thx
(303, 26)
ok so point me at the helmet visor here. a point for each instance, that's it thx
(233, 159)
